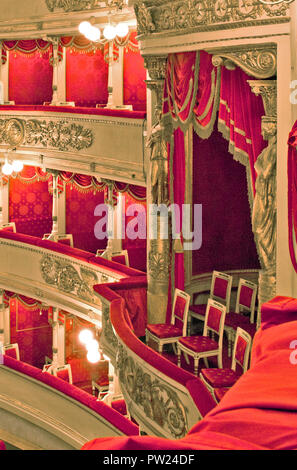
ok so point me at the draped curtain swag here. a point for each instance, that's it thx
(292, 194)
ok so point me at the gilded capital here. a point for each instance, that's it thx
(156, 66)
(268, 91)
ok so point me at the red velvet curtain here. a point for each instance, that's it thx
(239, 121)
(86, 78)
(30, 78)
(134, 77)
(220, 185)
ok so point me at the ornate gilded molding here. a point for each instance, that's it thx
(158, 401)
(264, 216)
(52, 134)
(268, 90)
(156, 66)
(157, 16)
(63, 275)
(70, 5)
(259, 61)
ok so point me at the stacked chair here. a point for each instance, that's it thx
(12, 350)
(202, 347)
(245, 303)
(220, 291)
(164, 333)
(218, 381)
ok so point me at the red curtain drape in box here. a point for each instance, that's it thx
(30, 78)
(240, 113)
(134, 77)
(221, 188)
(86, 78)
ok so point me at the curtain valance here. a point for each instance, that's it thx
(191, 92)
(30, 304)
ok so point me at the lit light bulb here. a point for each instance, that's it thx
(84, 27)
(93, 356)
(7, 169)
(109, 32)
(17, 165)
(122, 29)
(92, 345)
(93, 34)
(85, 336)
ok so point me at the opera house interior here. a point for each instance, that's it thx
(148, 223)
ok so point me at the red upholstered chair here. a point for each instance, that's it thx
(9, 227)
(225, 378)
(220, 392)
(204, 346)
(245, 303)
(66, 239)
(63, 372)
(48, 368)
(220, 290)
(164, 333)
(12, 350)
(119, 257)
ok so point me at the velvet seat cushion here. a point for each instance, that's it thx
(220, 392)
(120, 406)
(199, 343)
(234, 319)
(199, 308)
(165, 331)
(218, 378)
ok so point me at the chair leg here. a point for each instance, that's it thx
(220, 362)
(229, 338)
(196, 364)
(178, 356)
(160, 348)
(206, 362)
(187, 358)
(174, 348)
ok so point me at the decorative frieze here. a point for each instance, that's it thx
(49, 134)
(155, 16)
(70, 5)
(259, 62)
(157, 401)
(65, 277)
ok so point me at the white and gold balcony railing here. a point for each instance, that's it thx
(102, 142)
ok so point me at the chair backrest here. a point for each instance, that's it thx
(215, 319)
(63, 372)
(220, 290)
(241, 350)
(12, 350)
(9, 227)
(48, 368)
(246, 298)
(180, 309)
(119, 257)
(66, 239)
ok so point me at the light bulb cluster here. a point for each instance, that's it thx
(15, 167)
(110, 31)
(93, 354)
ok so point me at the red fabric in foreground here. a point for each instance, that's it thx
(258, 412)
(112, 416)
(2, 446)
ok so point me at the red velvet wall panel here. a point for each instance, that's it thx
(134, 76)
(30, 78)
(30, 207)
(80, 219)
(32, 332)
(219, 184)
(86, 78)
(136, 248)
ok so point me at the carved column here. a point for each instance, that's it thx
(55, 64)
(264, 215)
(158, 248)
(2, 319)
